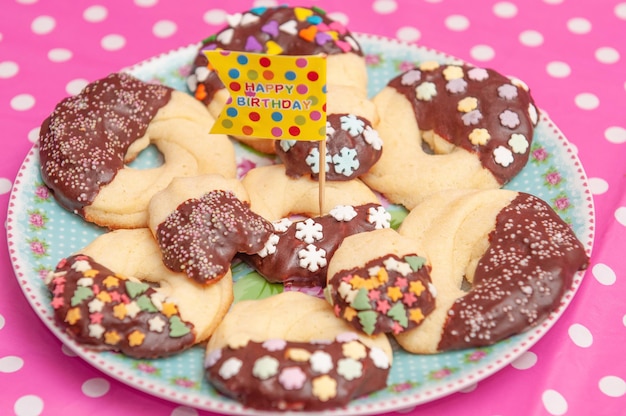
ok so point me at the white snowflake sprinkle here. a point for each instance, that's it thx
(343, 212)
(372, 138)
(346, 162)
(286, 145)
(353, 125)
(269, 247)
(330, 130)
(282, 225)
(309, 231)
(313, 160)
(312, 258)
(379, 217)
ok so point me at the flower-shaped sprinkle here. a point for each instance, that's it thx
(456, 86)
(353, 125)
(479, 137)
(343, 212)
(212, 358)
(472, 117)
(230, 368)
(532, 112)
(429, 65)
(321, 362)
(274, 344)
(372, 138)
(411, 77)
(509, 119)
(324, 387)
(379, 358)
(349, 368)
(507, 91)
(478, 74)
(426, 91)
(292, 378)
(503, 156)
(452, 72)
(309, 231)
(265, 367)
(467, 104)
(518, 143)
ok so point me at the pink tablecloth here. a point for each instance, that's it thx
(571, 53)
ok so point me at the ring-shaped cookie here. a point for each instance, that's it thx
(274, 195)
(88, 140)
(450, 127)
(116, 294)
(290, 352)
(501, 262)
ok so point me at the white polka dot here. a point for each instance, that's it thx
(615, 134)
(579, 25)
(525, 361)
(385, 6)
(607, 55)
(215, 17)
(67, 351)
(624, 320)
(620, 215)
(408, 34)
(612, 386)
(598, 186)
(43, 25)
(469, 388)
(265, 3)
(8, 69)
(95, 13)
(531, 38)
(164, 29)
(10, 364)
(580, 335)
(29, 405)
(340, 17)
(184, 411)
(22, 102)
(553, 1)
(113, 42)
(27, 1)
(59, 55)
(587, 101)
(554, 402)
(33, 135)
(75, 86)
(5, 188)
(146, 3)
(620, 11)
(505, 10)
(95, 387)
(558, 69)
(604, 274)
(457, 22)
(482, 53)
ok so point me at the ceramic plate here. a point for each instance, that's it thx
(40, 233)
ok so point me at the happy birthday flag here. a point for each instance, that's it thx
(272, 96)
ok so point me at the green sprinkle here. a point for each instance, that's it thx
(416, 262)
(80, 294)
(135, 289)
(177, 327)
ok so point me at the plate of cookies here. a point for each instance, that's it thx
(452, 229)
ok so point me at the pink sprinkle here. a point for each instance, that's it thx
(347, 337)
(292, 378)
(275, 344)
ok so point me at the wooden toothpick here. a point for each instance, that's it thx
(322, 174)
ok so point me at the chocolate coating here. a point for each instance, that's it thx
(530, 263)
(106, 311)
(476, 109)
(286, 375)
(83, 142)
(352, 148)
(278, 30)
(299, 254)
(203, 235)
